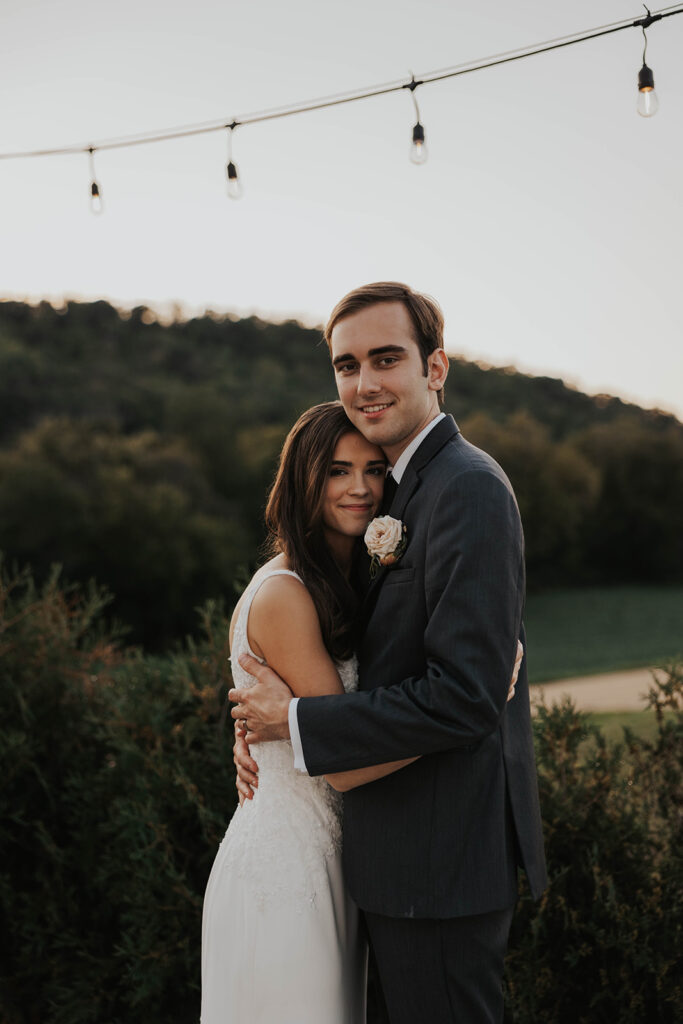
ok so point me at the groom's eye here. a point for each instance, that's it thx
(345, 367)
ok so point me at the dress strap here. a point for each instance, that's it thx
(252, 590)
(279, 572)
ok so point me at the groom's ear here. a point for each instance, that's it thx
(437, 369)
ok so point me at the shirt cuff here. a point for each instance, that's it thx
(299, 762)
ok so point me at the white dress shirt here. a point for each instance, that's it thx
(397, 472)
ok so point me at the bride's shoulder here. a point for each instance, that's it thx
(283, 613)
(256, 583)
(279, 590)
(276, 599)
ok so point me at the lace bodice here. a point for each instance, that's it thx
(293, 819)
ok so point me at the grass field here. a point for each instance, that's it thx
(602, 629)
(611, 723)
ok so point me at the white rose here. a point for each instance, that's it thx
(383, 536)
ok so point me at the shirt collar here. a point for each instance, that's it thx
(406, 455)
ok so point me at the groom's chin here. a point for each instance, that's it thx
(378, 431)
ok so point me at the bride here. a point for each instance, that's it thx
(280, 936)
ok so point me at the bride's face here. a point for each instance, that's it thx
(354, 487)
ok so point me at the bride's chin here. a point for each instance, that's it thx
(357, 531)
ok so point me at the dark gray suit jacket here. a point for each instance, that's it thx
(442, 837)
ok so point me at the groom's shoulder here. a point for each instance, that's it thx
(467, 477)
(460, 457)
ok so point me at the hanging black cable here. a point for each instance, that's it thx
(354, 96)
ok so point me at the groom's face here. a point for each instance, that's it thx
(380, 376)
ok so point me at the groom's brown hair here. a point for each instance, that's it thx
(424, 311)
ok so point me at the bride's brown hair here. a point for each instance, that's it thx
(294, 517)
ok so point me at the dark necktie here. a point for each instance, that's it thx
(390, 488)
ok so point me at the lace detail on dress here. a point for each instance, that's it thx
(280, 842)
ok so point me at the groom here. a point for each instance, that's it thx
(430, 852)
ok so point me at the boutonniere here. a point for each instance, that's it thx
(385, 539)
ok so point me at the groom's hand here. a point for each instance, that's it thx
(265, 706)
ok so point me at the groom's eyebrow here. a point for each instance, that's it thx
(372, 352)
(386, 348)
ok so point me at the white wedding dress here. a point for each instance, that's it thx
(280, 938)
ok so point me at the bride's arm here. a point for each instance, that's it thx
(344, 781)
(284, 629)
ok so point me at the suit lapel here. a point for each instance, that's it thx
(409, 484)
(406, 489)
(410, 481)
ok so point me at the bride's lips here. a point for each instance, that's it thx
(373, 411)
(356, 508)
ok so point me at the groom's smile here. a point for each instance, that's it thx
(375, 411)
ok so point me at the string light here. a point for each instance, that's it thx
(235, 190)
(647, 104)
(418, 148)
(96, 204)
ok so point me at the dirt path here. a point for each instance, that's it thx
(613, 691)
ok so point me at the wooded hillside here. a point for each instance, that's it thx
(140, 454)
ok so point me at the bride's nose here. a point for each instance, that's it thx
(358, 484)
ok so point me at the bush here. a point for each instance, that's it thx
(118, 785)
(604, 942)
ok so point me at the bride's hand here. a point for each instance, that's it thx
(246, 769)
(515, 671)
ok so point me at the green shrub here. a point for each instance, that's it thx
(117, 788)
(604, 943)
(118, 785)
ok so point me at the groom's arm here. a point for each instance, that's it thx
(474, 586)
(285, 725)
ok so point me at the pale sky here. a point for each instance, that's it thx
(547, 221)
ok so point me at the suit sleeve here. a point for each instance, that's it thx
(474, 591)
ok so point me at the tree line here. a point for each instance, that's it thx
(139, 454)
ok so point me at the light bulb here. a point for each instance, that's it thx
(96, 204)
(235, 190)
(647, 104)
(418, 149)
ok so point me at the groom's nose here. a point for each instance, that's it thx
(368, 381)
